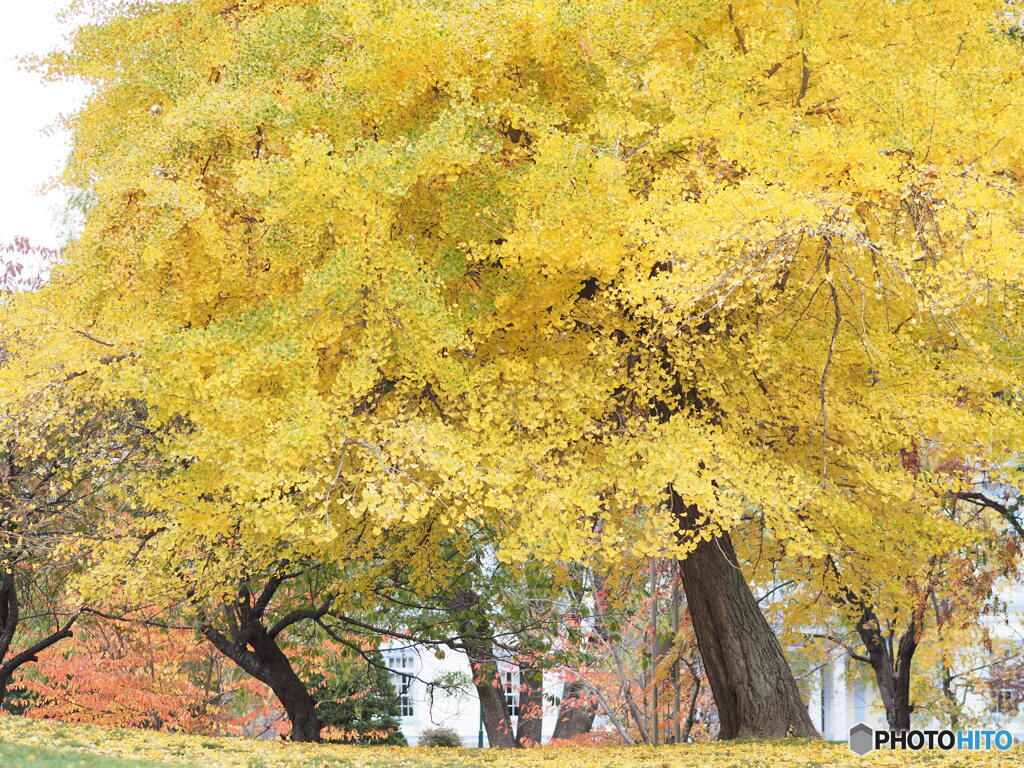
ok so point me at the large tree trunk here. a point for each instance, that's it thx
(301, 711)
(576, 711)
(529, 731)
(298, 703)
(755, 691)
(493, 707)
(259, 655)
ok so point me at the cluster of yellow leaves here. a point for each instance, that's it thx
(386, 272)
(246, 753)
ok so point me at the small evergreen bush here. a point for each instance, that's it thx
(358, 699)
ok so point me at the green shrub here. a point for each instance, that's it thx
(357, 698)
(439, 737)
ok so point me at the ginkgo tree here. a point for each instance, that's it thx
(601, 277)
(46, 502)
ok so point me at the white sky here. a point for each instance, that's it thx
(30, 155)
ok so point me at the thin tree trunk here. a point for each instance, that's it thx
(654, 652)
(950, 696)
(623, 679)
(892, 671)
(942, 616)
(8, 612)
(691, 712)
(9, 619)
(754, 689)
(676, 691)
(624, 690)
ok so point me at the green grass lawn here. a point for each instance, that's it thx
(18, 756)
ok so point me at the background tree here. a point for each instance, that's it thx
(502, 618)
(884, 620)
(123, 674)
(637, 664)
(48, 489)
(23, 265)
(356, 701)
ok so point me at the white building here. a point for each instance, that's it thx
(435, 690)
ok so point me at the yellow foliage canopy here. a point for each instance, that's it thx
(385, 271)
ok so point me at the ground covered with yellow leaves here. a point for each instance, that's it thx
(206, 752)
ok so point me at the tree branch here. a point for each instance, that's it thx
(30, 653)
(299, 615)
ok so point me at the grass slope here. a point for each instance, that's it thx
(119, 747)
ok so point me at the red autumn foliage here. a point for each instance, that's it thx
(23, 266)
(146, 676)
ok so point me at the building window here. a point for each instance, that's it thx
(1007, 701)
(402, 682)
(510, 682)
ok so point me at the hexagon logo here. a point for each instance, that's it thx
(862, 738)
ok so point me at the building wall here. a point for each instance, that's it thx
(432, 707)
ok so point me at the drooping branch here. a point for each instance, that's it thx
(31, 653)
(1006, 511)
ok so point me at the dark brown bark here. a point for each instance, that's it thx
(891, 666)
(486, 679)
(754, 689)
(576, 711)
(9, 618)
(254, 648)
(531, 706)
(691, 712)
(268, 664)
(475, 640)
(8, 612)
